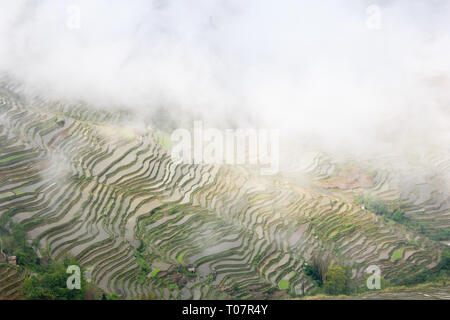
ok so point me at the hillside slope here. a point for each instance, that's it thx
(85, 186)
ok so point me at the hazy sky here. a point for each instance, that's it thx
(350, 74)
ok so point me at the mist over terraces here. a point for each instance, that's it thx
(83, 186)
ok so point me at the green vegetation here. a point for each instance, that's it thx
(15, 243)
(363, 288)
(17, 156)
(283, 284)
(259, 196)
(436, 234)
(184, 271)
(256, 260)
(154, 272)
(113, 296)
(215, 232)
(441, 271)
(397, 255)
(48, 280)
(445, 260)
(181, 256)
(336, 281)
(393, 211)
(427, 288)
(313, 271)
(52, 284)
(61, 123)
(398, 216)
(142, 260)
(376, 205)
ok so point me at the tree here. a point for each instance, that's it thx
(443, 277)
(317, 268)
(52, 284)
(113, 296)
(445, 260)
(398, 215)
(313, 272)
(335, 281)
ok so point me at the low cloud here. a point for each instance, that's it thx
(320, 72)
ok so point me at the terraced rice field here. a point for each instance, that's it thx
(11, 282)
(432, 293)
(421, 185)
(84, 186)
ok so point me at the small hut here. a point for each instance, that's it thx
(5, 258)
(12, 260)
(191, 268)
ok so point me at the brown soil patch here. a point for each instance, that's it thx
(350, 178)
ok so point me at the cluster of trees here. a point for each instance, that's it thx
(336, 278)
(440, 234)
(142, 260)
(313, 272)
(333, 280)
(378, 206)
(336, 281)
(52, 284)
(440, 273)
(15, 243)
(48, 279)
(445, 260)
(392, 210)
